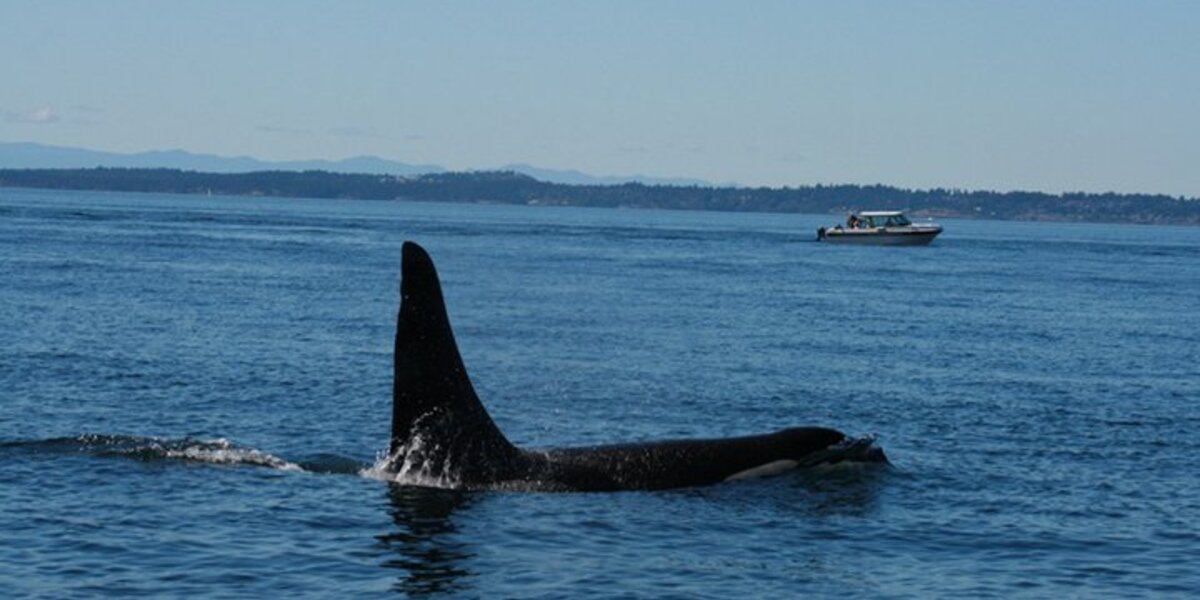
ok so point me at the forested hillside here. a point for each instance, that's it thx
(511, 188)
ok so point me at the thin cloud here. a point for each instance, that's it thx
(38, 116)
(44, 114)
(283, 130)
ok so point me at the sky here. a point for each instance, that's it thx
(1037, 95)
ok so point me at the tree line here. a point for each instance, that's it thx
(506, 187)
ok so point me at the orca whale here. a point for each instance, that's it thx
(443, 436)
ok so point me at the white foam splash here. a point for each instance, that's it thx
(848, 453)
(411, 464)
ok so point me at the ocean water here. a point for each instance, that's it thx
(191, 389)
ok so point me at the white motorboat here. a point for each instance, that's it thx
(880, 228)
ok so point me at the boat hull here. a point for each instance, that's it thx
(918, 237)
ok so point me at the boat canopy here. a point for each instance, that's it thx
(884, 218)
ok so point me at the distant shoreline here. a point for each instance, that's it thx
(506, 187)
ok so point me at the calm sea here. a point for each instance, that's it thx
(190, 388)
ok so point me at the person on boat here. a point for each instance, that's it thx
(852, 221)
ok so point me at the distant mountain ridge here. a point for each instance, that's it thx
(573, 177)
(29, 155)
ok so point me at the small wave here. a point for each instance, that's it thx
(223, 452)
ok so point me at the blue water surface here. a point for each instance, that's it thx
(191, 387)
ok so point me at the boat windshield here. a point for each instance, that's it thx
(887, 221)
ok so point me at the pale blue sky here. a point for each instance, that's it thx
(1039, 95)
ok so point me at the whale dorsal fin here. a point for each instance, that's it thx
(432, 395)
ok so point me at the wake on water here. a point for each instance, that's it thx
(406, 467)
(218, 451)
